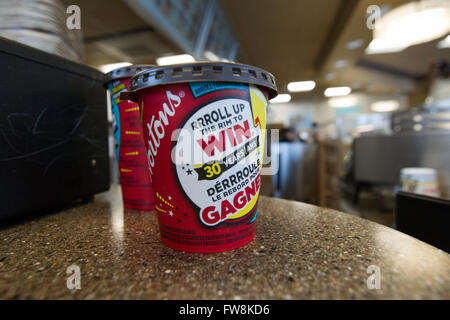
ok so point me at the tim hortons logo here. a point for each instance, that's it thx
(156, 127)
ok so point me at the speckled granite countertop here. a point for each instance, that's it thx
(300, 252)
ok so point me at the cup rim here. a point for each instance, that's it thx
(125, 72)
(202, 71)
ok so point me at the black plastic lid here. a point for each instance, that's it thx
(126, 72)
(202, 71)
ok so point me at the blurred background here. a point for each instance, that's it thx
(363, 85)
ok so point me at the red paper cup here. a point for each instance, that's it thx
(204, 130)
(135, 180)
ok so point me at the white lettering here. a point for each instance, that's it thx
(156, 129)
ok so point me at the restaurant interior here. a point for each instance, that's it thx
(332, 146)
(361, 122)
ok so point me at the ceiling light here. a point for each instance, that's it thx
(340, 63)
(281, 98)
(343, 102)
(385, 106)
(445, 43)
(355, 44)
(110, 67)
(413, 23)
(211, 56)
(301, 86)
(181, 58)
(337, 91)
(377, 46)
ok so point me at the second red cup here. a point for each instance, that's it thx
(135, 178)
